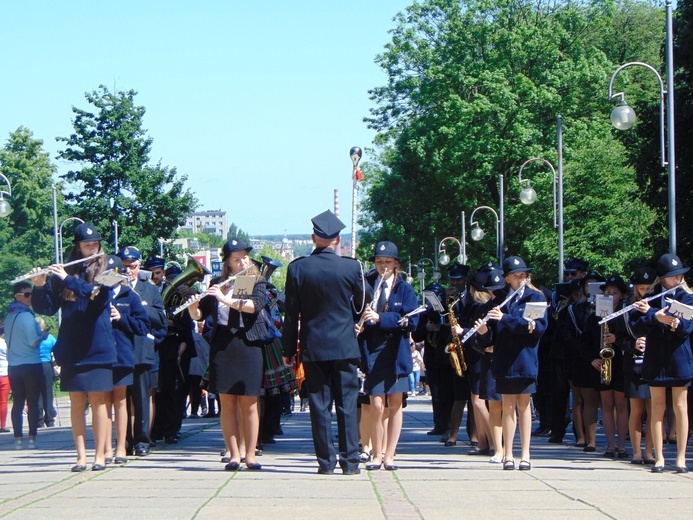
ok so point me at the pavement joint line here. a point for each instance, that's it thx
(215, 495)
(393, 499)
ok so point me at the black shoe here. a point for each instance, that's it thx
(152, 444)
(98, 467)
(436, 431)
(541, 432)
(268, 440)
(609, 454)
(657, 469)
(253, 466)
(232, 466)
(555, 440)
(121, 460)
(142, 450)
(681, 469)
(355, 471)
(391, 467)
(78, 468)
(323, 471)
(171, 440)
(477, 451)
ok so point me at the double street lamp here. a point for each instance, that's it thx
(623, 117)
(529, 196)
(444, 257)
(478, 233)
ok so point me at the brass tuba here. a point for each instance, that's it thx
(267, 266)
(194, 272)
(607, 354)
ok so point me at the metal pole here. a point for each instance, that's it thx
(560, 198)
(115, 238)
(55, 226)
(501, 207)
(464, 242)
(670, 129)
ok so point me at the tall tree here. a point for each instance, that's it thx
(237, 232)
(26, 234)
(116, 182)
(474, 88)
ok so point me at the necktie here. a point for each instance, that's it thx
(382, 299)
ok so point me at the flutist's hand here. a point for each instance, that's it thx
(640, 344)
(458, 330)
(495, 314)
(662, 317)
(194, 309)
(483, 329)
(39, 281)
(115, 315)
(58, 270)
(642, 306)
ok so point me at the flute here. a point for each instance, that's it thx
(197, 298)
(485, 319)
(47, 269)
(632, 305)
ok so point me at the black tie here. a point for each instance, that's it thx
(382, 299)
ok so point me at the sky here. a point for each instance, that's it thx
(257, 103)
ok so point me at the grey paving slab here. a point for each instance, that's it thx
(187, 481)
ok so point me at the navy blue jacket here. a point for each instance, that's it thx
(322, 292)
(133, 322)
(515, 353)
(86, 335)
(145, 353)
(668, 358)
(402, 299)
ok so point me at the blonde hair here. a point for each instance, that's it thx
(480, 296)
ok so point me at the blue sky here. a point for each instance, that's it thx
(258, 103)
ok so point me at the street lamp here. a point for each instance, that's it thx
(60, 236)
(421, 275)
(478, 233)
(623, 117)
(529, 196)
(355, 153)
(5, 208)
(444, 257)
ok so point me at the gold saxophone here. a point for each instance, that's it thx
(606, 353)
(454, 348)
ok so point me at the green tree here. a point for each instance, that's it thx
(474, 88)
(237, 232)
(116, 182)
(26, 234)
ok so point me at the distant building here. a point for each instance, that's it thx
(214, 221)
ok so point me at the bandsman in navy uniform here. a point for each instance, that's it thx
(323, 293)
(145, 356)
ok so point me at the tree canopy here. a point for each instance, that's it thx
(474, 89)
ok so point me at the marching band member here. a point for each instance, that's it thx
(636, 388)
(515, 361)
(85, 349)
(235, 357)
(385, 340)
(668, 357)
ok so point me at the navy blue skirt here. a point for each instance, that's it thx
(89, 378)
(516, 386)
(487, 383)
(123, 376)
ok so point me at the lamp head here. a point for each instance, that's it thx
(355, 153)
(421, 275)
(436, 275)
(5, 208)
(444, 259)
(477, 233)
(528, 195)
(623, 116)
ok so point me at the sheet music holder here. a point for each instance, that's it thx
(604, 306)
(433, 299)
(534, 310)
(562, 289)
(680, 310)
(243, 287)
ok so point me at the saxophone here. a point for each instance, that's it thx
(454, 348)
(606, 352)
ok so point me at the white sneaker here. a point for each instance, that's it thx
(18, 445)
(496, 459)
(31, 445)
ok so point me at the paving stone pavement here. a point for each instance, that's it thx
(187, 481)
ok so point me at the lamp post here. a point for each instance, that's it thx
(623, 117)
(478, 233)
(5, 208)
(421, 275)
(444, 257)
(529, 196)
(355, 153)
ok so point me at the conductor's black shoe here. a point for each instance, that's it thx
(541, 432)
(323, 471)
(355, 471)
(436, 431)
(171, 440)
(555, 440)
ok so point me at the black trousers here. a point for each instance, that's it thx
(166, 423)
(327, 381)
(139, 406)
(560, 393)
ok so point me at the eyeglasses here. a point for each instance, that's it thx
(25, 294)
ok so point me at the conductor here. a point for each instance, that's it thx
(322, 292)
